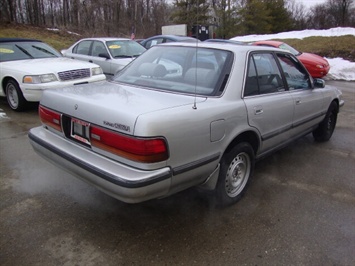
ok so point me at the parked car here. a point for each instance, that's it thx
(150, 133)
(154, 40)
(112, 54)
(316, 65)
(225, 41)
(28, 66)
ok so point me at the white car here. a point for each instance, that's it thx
(27, 67)
(112, 54)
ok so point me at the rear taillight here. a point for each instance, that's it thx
(150, 150)
(50, 118)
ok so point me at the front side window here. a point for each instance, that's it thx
(98, 48)
(263, 75)
(295, 74)
(82, 48)
(179, 69)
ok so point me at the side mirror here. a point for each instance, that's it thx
(318, 83)
(104, 55)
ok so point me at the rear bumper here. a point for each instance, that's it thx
(117, 180)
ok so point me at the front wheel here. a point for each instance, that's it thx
(14, 96)
(326, 128)
(237, 166)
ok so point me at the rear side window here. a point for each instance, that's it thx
(263, 76)
(153, 42)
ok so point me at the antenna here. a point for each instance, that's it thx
(196, 31)
(195, 96)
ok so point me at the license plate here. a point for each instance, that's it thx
(80, 130)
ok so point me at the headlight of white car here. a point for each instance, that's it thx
(35, 79)
(96, 71)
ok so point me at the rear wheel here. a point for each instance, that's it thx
(14, 96)
(236, 169)
(325, 129)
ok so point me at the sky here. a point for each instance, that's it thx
(340, 69)
(309, 3)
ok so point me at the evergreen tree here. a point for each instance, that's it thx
(225, 13)
(281, 19)
(191, 12)
(254, 18)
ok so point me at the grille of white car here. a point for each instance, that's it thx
(74, 74)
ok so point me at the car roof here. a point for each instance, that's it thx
(225, 41)
(171, 36)
(225, 46)
(106, 39)
(18, 40)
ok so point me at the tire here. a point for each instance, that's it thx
(237, 167)
(325, 129)
(14, 96)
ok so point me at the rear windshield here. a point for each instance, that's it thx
(190, 70)
(11, 51)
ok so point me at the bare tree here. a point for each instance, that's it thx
(299, 14)
(339, 10)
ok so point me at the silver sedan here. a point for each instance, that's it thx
(111, 54)
(184, 115)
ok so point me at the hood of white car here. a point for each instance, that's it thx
(109, 104)
(47, 65)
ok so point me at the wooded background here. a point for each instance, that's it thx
(145, 18)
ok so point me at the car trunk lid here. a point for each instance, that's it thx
(116, 107)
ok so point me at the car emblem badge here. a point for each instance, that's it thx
(76, 107)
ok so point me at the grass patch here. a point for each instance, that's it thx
(330, 47)
(59, 39)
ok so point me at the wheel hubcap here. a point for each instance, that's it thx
(330, 122)
(237, 174)
(12, 96)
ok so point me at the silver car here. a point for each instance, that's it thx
(111, 54)
(182, 115)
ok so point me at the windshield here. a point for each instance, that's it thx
(179, 69)
(11, 51)
(290, 49)
(124, 48)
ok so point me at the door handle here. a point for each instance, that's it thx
(90, 61)
(298, 101)
(258, 111)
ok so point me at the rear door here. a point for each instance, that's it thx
(270, 106)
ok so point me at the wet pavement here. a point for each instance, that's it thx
(298, 210)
